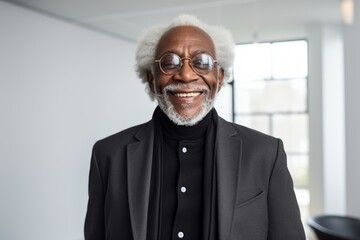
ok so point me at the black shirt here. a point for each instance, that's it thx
(182, 179)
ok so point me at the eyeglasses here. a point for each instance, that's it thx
(171, 63)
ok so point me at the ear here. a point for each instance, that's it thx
(220, 78)
(150, 80)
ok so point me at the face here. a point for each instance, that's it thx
(185, 96)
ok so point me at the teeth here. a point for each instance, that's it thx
(190, 94)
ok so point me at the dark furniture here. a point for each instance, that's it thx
(332, 227)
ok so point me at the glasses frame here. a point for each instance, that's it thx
(215, 61)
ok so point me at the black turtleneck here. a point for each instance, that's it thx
(181, 197)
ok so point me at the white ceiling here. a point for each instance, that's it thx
(267, 19)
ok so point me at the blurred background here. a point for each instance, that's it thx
(67, 79)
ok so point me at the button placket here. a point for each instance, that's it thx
(188, 152)
(183, 189)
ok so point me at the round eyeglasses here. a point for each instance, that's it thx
(171, 63)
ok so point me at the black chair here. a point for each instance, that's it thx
(331, 227)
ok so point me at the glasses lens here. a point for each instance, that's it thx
(170, 63)
(202, 63)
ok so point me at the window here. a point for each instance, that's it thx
(270, 95)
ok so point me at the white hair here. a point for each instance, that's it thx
(221, 37)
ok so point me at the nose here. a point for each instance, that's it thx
(186, 73)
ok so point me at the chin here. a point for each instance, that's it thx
(185, 114)
(188, 113)
(184, 118)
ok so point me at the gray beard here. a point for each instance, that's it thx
(168, 108)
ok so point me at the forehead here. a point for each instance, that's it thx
(185, 38)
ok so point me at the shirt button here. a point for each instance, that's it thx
(184, 149)
(180, 234)
(183, 189)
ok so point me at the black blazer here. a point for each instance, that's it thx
(256, 200)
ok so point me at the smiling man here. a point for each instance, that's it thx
(187, 173)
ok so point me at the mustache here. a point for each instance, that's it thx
(185, 86)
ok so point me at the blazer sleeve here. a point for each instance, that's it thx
(94, 221)
(284, 215)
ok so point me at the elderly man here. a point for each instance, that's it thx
(187, 173)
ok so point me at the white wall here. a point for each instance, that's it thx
(327, 119)
(316, 154)
(334, 119)
(62, 87)
(334, 87)
(352, 99)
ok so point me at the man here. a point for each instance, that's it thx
(187, 173)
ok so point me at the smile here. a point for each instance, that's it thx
(187, 94)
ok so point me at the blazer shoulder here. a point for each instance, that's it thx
(251, 135)
(257, 145)
(124, 137)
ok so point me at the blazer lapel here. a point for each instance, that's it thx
(139, 161)
(228, 157)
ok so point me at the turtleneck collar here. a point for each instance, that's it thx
(173, 131)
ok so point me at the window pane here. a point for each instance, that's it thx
(270, 96)
(303, 198)
(260, 123)
(289, 59)
(293, 130)
(252, 61)
(298, 167)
